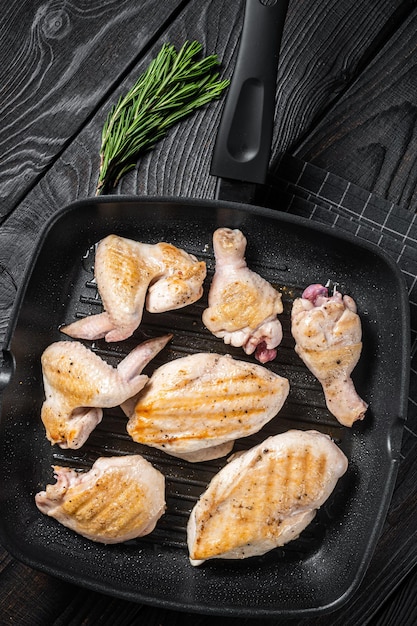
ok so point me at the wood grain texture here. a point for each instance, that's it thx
(59, 60)
(370, 136)
(64, 64)
(404, 609)
(72, 66)
(323, 51)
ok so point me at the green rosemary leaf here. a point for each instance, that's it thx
(173, 86)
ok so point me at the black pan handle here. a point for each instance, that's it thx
(243, 144)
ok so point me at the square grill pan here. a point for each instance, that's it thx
(315, 573)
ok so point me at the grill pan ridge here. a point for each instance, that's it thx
(316, 572)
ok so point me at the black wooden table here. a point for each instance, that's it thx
(346, 105)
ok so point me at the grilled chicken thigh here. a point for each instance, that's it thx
(120, 498)
(243, 306)
(328, 335)
(196, 406)
(265, 497)
(79, 384)
(130, 274)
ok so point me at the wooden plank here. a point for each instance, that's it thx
(370, 136)
(58, 62)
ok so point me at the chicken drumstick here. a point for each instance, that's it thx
(328, 335)
(243, 306)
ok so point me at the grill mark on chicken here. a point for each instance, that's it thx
(301, 479)
(118, 499)
(79, 384)
(221, 393)
(214, 427)
(242, 306)
(131, 275)
(265, 496)
(106, 506)
(204, 400)
(147, 429)
(127, 272)
(70, 377)
(238, 307)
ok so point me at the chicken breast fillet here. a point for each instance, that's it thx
(196, 406)
(120, 498)
(265, 497)
(243, 306)
(130, 274)
(79, 384)
(328, 335)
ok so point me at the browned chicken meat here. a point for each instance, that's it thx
(196, 406)
(243, 306)
(328, 335)
(265, 497)
(119, 498)
(79, 384)
(130, 275)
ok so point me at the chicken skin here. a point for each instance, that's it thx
(79, 384)
(328, 335)
(264, 497)
(196, 406)
(243, 306)
(131, 275)
(118, 499)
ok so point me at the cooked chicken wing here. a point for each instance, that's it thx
(196, 406)
(265, 497)
(243, 306)
(79, 384)
(328, 335)
(130, 274)
(119, 498)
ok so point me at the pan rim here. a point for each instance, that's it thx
(260, 211)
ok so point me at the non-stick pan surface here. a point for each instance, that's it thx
(316, 572)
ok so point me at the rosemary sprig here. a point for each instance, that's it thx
(174, 85)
